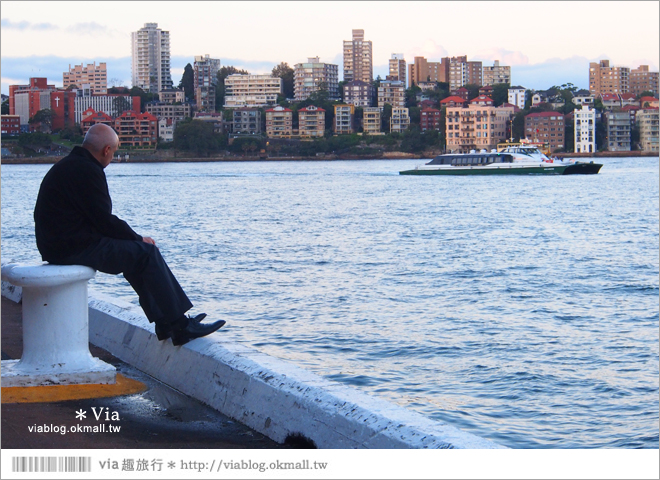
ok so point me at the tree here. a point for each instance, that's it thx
(197, 136)
(473, 90)
(120, 105)
(646, 93)
(188, 82)
(145, 97)
(411, 96)
(285, 72)
(5, 107)
(500, 94)
(43, 119)
(385, 116)
(32, 140)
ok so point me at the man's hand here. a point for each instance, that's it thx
(149, 240)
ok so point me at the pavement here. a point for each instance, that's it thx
(143, 412)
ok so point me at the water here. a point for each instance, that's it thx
(523, 309)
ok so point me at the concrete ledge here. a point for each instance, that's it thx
(267, 394)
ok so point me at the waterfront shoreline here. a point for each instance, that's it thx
(231, 158)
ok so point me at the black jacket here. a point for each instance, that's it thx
(74, 209)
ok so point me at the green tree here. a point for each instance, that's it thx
(197, 136)
(5, 107)
(500, 94)
(285, 72)
(518, 125)
(120, 105)
(385, 116)
(646, 93)
(411, 96)
(43, 119)
(473, 90)
(34, 140)
(145, 97)
(187, 82)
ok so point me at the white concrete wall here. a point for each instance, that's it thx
(267, 394)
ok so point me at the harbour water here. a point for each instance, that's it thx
(523, 309)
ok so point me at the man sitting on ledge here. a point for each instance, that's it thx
(74, 225)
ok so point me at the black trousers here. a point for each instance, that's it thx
(161, 297)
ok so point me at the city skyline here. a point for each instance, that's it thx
(41, 39)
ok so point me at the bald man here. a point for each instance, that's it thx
(74, 225)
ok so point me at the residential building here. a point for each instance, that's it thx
(151, 58)
(96, 76)
(546, 127)
(429, 119)
(111, 104)
(584, 124)
(462, 92)
(462, 72)
(26, 100)
(214, 118)
(517, 97)
(610, 100)
(482, 100)
(584, 100)
(400, 119)
(166, 128)
(358, 58)
(476, 127)
(309, 77)
(279, 122)
(617, 131)
(251, 90)
(648, 102)
(168, 110)
(647, 120)
(641, 80)
(628, 99)
(486, 90)
(247, 121)
(392, 92)
(359, 93)
(136, 129)
(454, 101)
(205, 78)
(172, 95)
(11, 125)
(606, 79)
(496, 74)
(311, 122)
(92, 117)
(344, 115)
(421, 70)
(397, 68)
(371, 120)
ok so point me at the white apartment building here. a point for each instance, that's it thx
(358, 58)
(397, 68)
(584, 122)
(392, 92)
(584, 100)
(251, 90)
(96, 76)
(112, 105)
(166, 129)
(517, 97)
(344, 119)
(400, 120)
(647, 120)
(151, 58)
(309, 76)
(496, 74)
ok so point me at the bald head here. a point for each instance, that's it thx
(102, 142)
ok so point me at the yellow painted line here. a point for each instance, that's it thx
(61, 393)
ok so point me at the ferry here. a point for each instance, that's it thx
(512, 159)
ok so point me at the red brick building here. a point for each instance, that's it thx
(26, 100)
(11, 124)
(62, 103)
(546, 127)
(136, 129)
(429, 119)
(92, 117)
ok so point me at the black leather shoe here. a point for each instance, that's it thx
(195, 330)
(164, 333)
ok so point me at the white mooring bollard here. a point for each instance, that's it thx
(55, 328)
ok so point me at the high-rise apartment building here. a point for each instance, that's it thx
(421, 70)
(96, 76)
(617, 131)
(251, 90)
(496, 74)
(476, 127)
(309, 77)
(397, 68)
(358, 58)
(647, 121)
(205, 78)
(546, 127)
(641, 80)
(392, 92)
(151, 58)
(584, 122)
(359, 93)
(462, 72)
(606, 79)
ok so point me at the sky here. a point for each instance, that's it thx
(545, 43)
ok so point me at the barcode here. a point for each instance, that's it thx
(51, 464)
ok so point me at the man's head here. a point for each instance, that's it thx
(102, 142)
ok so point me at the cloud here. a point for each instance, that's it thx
(429, 50)
(506, 57)
(24, 25)
(89, 28)
(554, 71)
